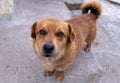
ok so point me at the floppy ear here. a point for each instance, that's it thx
(71, 35)
(33, 35)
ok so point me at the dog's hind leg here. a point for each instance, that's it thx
(88, 47)
(90, 39)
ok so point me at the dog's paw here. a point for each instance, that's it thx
(59, 75)
(87, 49)
(48, 73)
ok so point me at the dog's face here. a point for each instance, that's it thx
(52, 36)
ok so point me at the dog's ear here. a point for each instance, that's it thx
(33, 35)
(71, 35)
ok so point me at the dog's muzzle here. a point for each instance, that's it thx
(48, 49)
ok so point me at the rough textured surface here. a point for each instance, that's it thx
(6, 8)
(19, 64)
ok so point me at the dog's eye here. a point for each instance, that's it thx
(59, 34)
(43, 32)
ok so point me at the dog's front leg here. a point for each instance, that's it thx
(59, 75)
(48, 73)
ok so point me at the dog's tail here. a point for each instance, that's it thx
(92, 6)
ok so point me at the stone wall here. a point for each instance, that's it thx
(6, 8)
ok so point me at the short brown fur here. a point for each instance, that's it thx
(76, 31)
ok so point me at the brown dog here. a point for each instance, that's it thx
(57, 42)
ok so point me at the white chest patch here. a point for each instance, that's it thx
(48, 61)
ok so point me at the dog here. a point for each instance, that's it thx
(57, 42)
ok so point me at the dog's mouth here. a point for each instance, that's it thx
(48, 55)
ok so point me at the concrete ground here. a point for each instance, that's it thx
(19, 64)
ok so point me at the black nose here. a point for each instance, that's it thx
(48, 48)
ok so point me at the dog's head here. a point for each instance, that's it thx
(52, 36)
